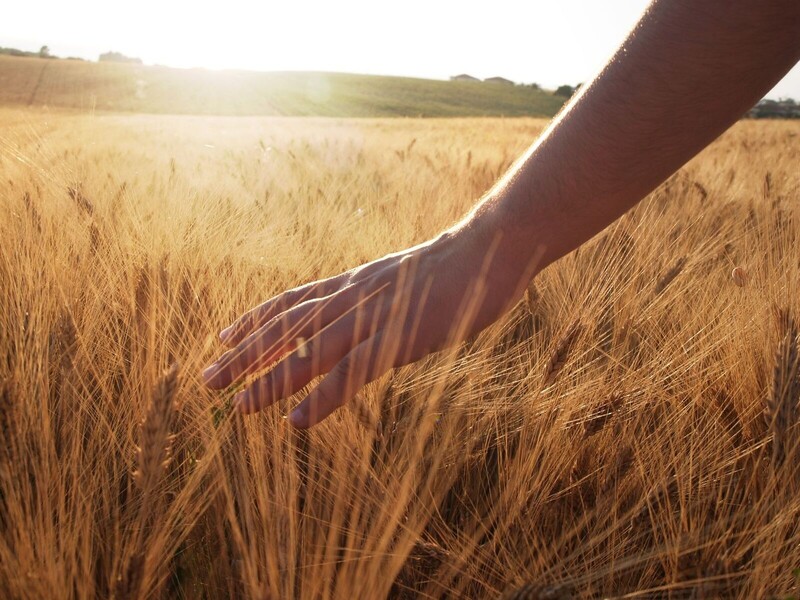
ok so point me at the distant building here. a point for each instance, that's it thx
(463, 77)
(775, 109)
(502, 80)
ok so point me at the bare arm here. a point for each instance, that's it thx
(683, 76)
(686, 73)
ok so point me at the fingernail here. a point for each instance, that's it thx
(226, 333)
(209, 372)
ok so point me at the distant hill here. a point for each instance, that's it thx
(112, 86)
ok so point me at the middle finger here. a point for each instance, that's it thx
(273, 340)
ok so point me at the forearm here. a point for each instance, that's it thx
(686, 73)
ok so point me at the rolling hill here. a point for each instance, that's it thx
(153, 89)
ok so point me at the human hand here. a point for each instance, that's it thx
(361, 323)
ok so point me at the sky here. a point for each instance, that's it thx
(550, 43)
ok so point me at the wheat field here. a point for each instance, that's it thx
(629, 430)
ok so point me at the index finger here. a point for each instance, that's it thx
(256, 317)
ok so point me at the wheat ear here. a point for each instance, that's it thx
(366, 418)
(667, 278)
(155, 439)
(782, 404)
(561, 352)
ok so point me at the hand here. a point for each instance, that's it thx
(359, 324)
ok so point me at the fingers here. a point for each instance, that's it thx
(297, 370)
(262, 314)
(278, 337)
(365, 362)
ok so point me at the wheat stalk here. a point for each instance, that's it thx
(128, 584)
(142, 296)
(622, 464)
(423, 560)
(532, 297)
(152, 456)
(767, 185)
(600, 415)
(670, 275)
(36, 218)
(532, 591)
(561, 352)
(700, 188)
(7, 419)
(782, 403)
(80, 200)
(366, 418)
(155, 443)
(95, 238)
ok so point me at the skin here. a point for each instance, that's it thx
(686, 73)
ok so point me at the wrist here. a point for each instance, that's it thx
(518, 237)
(507, 254)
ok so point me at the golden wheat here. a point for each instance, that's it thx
(603, 439)
(783, 404)
(153, 453)
(560, 352)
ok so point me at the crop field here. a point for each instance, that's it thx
(87, 86)
(629, 429)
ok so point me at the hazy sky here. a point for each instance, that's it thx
(553, 42)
